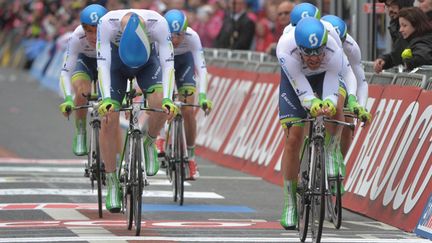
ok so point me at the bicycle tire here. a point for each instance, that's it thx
(180, 165)
(137, 186)
(318, 195)
(334, 202)
(303, 201)
(98, 171)
(128, 197)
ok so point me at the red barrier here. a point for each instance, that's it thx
(388, 167)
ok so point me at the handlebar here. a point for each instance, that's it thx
(326, 119)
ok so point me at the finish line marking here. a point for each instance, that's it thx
(72, 180)
(205, 239)
(88, 192)
(42, 161)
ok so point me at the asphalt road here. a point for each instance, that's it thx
(45, 198)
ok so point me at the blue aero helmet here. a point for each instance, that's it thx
(338, 24)
(303, 10)
(134, 46)
(310, 36)
(177, 21)
(91, 14)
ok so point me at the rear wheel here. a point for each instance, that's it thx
(303, 196)
(98, 170)
(334, 201)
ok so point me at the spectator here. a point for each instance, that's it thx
(208, 24)
(264, 29)
(399, 44)
(282, 20)
(426, 7)
(238, 29)
(415, 28)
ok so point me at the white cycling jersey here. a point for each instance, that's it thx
(110, 31)
(77, 44)
(348, 73)
(296, 70)
(352, 51)
(192, 43)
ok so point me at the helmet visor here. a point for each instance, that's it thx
(312, 52)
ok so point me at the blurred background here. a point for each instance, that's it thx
(34, 23)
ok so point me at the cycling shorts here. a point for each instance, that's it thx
(85, 69)
(185, 73)
(148, 76)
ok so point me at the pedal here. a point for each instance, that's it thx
(163, 164)
(86, 173)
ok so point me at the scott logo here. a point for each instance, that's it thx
(94, 17)
(313, 40)
(175, 25)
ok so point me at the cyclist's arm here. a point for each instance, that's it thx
(162, 36)
(292, 67)
(69, 63)
(103, 50)
(352, 50)
(199, 62)
(332, 77)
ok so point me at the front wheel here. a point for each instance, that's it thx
(334, 201)
(318, 191)
(137, 186)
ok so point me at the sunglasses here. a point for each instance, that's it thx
(312, 52)
(284, 13)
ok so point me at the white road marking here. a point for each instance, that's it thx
(70, 180)
(64, 214)
(204, 239)
(43, 161)
(88, 192)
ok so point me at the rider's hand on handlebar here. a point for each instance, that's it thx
(353, 105)
(106, 107)
(205, 104)
(364, 115)
(328, 108)
(316, 106)
(170, 108)
(67, 106)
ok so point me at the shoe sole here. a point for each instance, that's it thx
(114, 210)
(294, 227)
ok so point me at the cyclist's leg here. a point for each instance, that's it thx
(149, 78)
(109, 133)
(290, 109)
(184, 76)
(81, 84)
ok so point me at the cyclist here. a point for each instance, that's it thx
(311, 63)
(188, 61)
(352, 51)
(334, 159)
(79, 69)
(133, 43)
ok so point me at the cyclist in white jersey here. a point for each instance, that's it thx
(79, 69)
(311, 62)
(189, 65)
(348, 84)
(133, 43)
(356, 102)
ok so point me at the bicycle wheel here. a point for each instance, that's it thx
(127, 181)
(170, 158)
(303, 196)
(318, 193)
(334, 202)
(137, 185)
(96, 160)
(179, 163)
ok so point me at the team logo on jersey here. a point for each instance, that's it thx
(175, 25)
(313, 40)
(94, 17)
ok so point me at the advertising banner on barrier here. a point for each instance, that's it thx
(389, 170)
(424, 226)
(389, 163)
